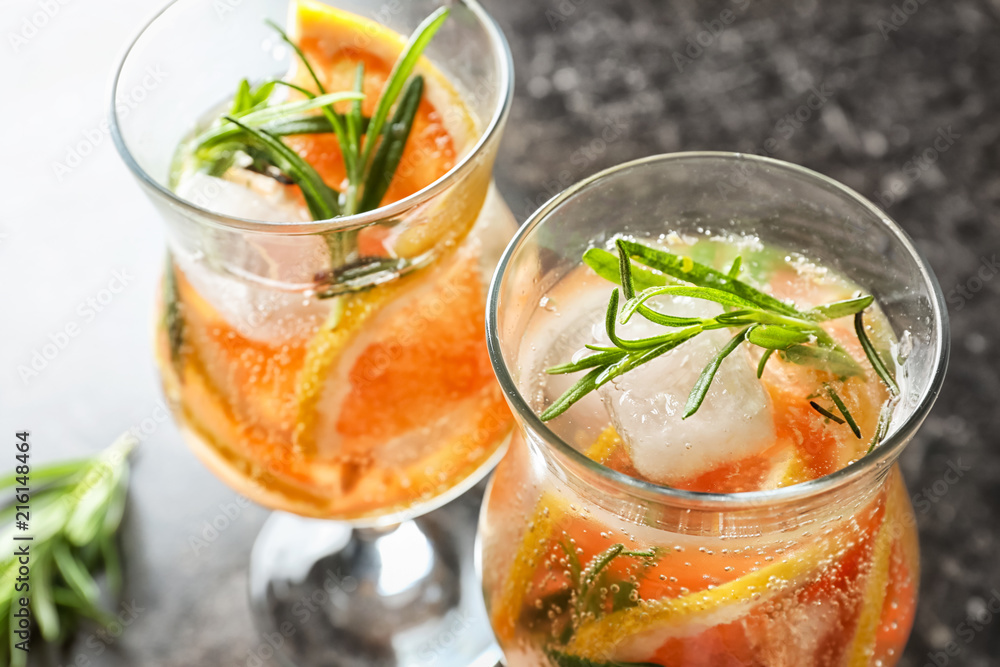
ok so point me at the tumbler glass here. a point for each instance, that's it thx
(584, 565)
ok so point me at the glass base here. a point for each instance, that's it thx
(325, 593)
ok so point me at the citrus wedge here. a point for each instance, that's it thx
(876, 585)
(549, 511)
(395, 362)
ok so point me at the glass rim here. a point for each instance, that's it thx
(879, 458)
(498, 46)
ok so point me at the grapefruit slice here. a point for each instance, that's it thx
(395, 361)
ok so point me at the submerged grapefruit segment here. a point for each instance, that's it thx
(398, 359)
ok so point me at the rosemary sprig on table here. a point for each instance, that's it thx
(761, 319)
(371, 147)
(76, 509)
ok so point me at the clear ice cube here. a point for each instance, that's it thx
(255, 197)
(646, 405)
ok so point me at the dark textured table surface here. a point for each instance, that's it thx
(899, 101)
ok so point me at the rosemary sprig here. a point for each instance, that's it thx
(762, 320)
(77, 507)
(560, 659)
(371, 147)
(590, 585)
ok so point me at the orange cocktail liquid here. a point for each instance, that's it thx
(576, 576)
(368, 402)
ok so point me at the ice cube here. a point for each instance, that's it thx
(242, 194)
(646, 405)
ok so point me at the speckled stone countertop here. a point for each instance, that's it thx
(899, 99)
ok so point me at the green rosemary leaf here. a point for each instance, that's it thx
(560, 659)
(241, 100)
(353, 117)
(173, 318)
(400, 73)
(18, 658)
(575, 568)
(763, 362)
(581, 388)
(882, 429)
(336, 122)
(704, 293)
(116, 506)
(873, 357)
(838, 309)
(112, 562)
(844, 411)
(390, 150)
(665, 320)
(606, 265)
(42, 602)
(225, 132)
(625, 275)
(746, 316)
(611, 325)
(68, 599)
(597, 565)
(775, 337)
(321, 199)
(701, 386)
(638, 358)
(56, 473)
(688, 270)
(85, 520)
(734, 270)
(262, 93)
(600, 359)
(826, 413)
(75, 574)
(829, 359)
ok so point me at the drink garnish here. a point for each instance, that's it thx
(763, 321)
(371, 147)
